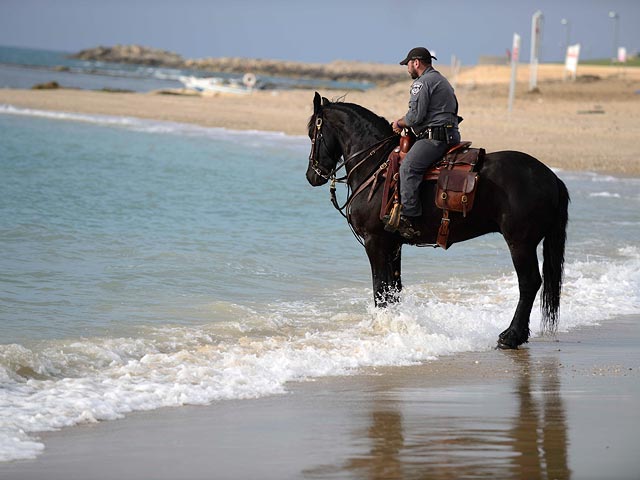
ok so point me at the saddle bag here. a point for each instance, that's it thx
(456, 187)
(456, 190)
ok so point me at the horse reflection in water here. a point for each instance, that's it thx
(425, 440)
(541, 433)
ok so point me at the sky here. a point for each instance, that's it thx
(323, 30)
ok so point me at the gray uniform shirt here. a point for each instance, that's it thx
(432, 102)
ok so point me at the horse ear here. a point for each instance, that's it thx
(325, 101)
(317, 103)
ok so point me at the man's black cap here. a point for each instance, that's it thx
(418, 52)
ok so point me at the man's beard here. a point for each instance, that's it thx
(414, 75)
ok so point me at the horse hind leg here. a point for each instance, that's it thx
(525, 261)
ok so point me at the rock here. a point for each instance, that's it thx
(116, 90)
(46, 86)
(132, 54)
(588, 78)
(337, 70)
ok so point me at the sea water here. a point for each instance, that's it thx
(147, 264)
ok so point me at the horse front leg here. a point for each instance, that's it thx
(384, 254)
(525, 260)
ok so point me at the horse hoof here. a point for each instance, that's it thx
(511, 340)
(505, 346)
(507, 341)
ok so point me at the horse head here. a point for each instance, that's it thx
(338, 129)
(325, 145)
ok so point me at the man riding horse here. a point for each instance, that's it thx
(517, 196)
(433, 118)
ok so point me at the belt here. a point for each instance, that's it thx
(435, 133)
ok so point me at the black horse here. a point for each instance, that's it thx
(517, 196)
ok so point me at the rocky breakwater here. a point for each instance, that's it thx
(337, 70)
(134, 54)
(341, 70)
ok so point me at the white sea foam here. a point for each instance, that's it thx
(250, 137)
(605, 195)
(596, 178)
(62, 383)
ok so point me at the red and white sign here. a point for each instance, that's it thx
(515, 50)
(622, 54)
(571, 62)
(515, 54)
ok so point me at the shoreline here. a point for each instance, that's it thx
(588, 126)
(625, 173)
(558, 408)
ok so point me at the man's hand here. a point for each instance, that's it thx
(397, 128)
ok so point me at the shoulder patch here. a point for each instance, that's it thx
(415, 88)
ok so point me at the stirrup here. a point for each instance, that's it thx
(404, 227)
(388, 226)
(407, 230)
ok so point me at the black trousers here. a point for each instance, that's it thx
(422, 155)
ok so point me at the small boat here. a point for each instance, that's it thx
(221, 85)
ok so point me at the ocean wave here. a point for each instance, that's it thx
(256, 138)
(55, 384)
(605, 195)
(596, 178)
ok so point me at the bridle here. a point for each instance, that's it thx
(317, 139)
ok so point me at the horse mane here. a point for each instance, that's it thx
(365, 114)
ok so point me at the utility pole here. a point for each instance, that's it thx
(615, 17)
(536, 33)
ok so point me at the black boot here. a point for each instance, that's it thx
(406, 227)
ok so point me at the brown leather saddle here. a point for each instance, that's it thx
(456, 176)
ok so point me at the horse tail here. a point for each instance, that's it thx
(553, 264)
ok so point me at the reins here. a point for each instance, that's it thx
(372, 150)
(316, 142)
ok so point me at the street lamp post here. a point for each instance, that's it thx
(567, 34)
(615, 17)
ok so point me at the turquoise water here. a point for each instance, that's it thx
(147, 264)
(107, 227)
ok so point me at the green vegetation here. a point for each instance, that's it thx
(631, 61)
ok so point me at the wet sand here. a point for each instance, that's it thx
(559, 408)
(592, 124)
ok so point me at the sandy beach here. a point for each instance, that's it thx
(590, 124)
(559, 408)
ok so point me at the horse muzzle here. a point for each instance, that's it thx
(315, 179)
